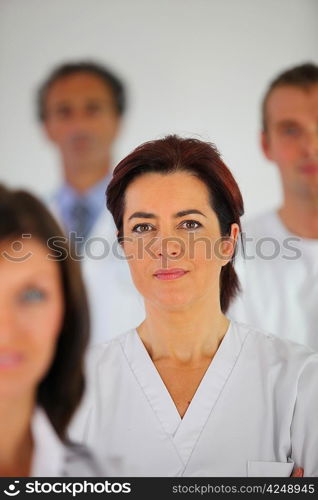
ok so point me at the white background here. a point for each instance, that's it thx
(194, 67)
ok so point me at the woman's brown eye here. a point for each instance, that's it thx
(142, 228)
(191, 224)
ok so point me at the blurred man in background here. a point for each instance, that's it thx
(80, 106)
(279, 274)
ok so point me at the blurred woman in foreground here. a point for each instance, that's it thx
(43, 335)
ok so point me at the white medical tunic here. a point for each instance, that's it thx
(279, 280)
(52, 458)
(255, 412)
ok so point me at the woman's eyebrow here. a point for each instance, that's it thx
(188, 212)
(142, 215)
(148, 215)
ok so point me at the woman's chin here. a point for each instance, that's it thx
(14, 388)
(174, 301)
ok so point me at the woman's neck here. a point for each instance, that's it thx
(15, 436)
(184, 336)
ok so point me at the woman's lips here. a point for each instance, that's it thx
(169, 274)
(10, 360)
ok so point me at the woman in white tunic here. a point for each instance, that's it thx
(43, 335)
(189, 393)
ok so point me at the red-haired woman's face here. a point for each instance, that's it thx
(31, 314)
(173, 241)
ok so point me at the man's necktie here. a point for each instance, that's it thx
(80, 223)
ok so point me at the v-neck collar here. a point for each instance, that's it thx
(151, 383)
(186, 431)
(207, 394)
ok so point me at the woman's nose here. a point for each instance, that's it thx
(170, 247)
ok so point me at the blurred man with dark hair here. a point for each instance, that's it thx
(80, 106)
(279, 275)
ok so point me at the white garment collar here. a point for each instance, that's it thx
(49, 451)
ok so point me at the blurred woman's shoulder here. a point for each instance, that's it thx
(56, 457)
(79, 462)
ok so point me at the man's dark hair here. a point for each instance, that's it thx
(92, 68)
(303, 76)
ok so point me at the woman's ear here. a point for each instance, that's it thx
(235, 231)
(228, 243)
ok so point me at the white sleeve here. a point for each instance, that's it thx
(304, 428)
(79, 423)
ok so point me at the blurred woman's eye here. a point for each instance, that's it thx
(32, 295)
(142, 228)
(190, 225)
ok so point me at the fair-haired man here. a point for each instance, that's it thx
(80, 106)
(279, 275)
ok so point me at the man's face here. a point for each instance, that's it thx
(81, 118)
(291, 139)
